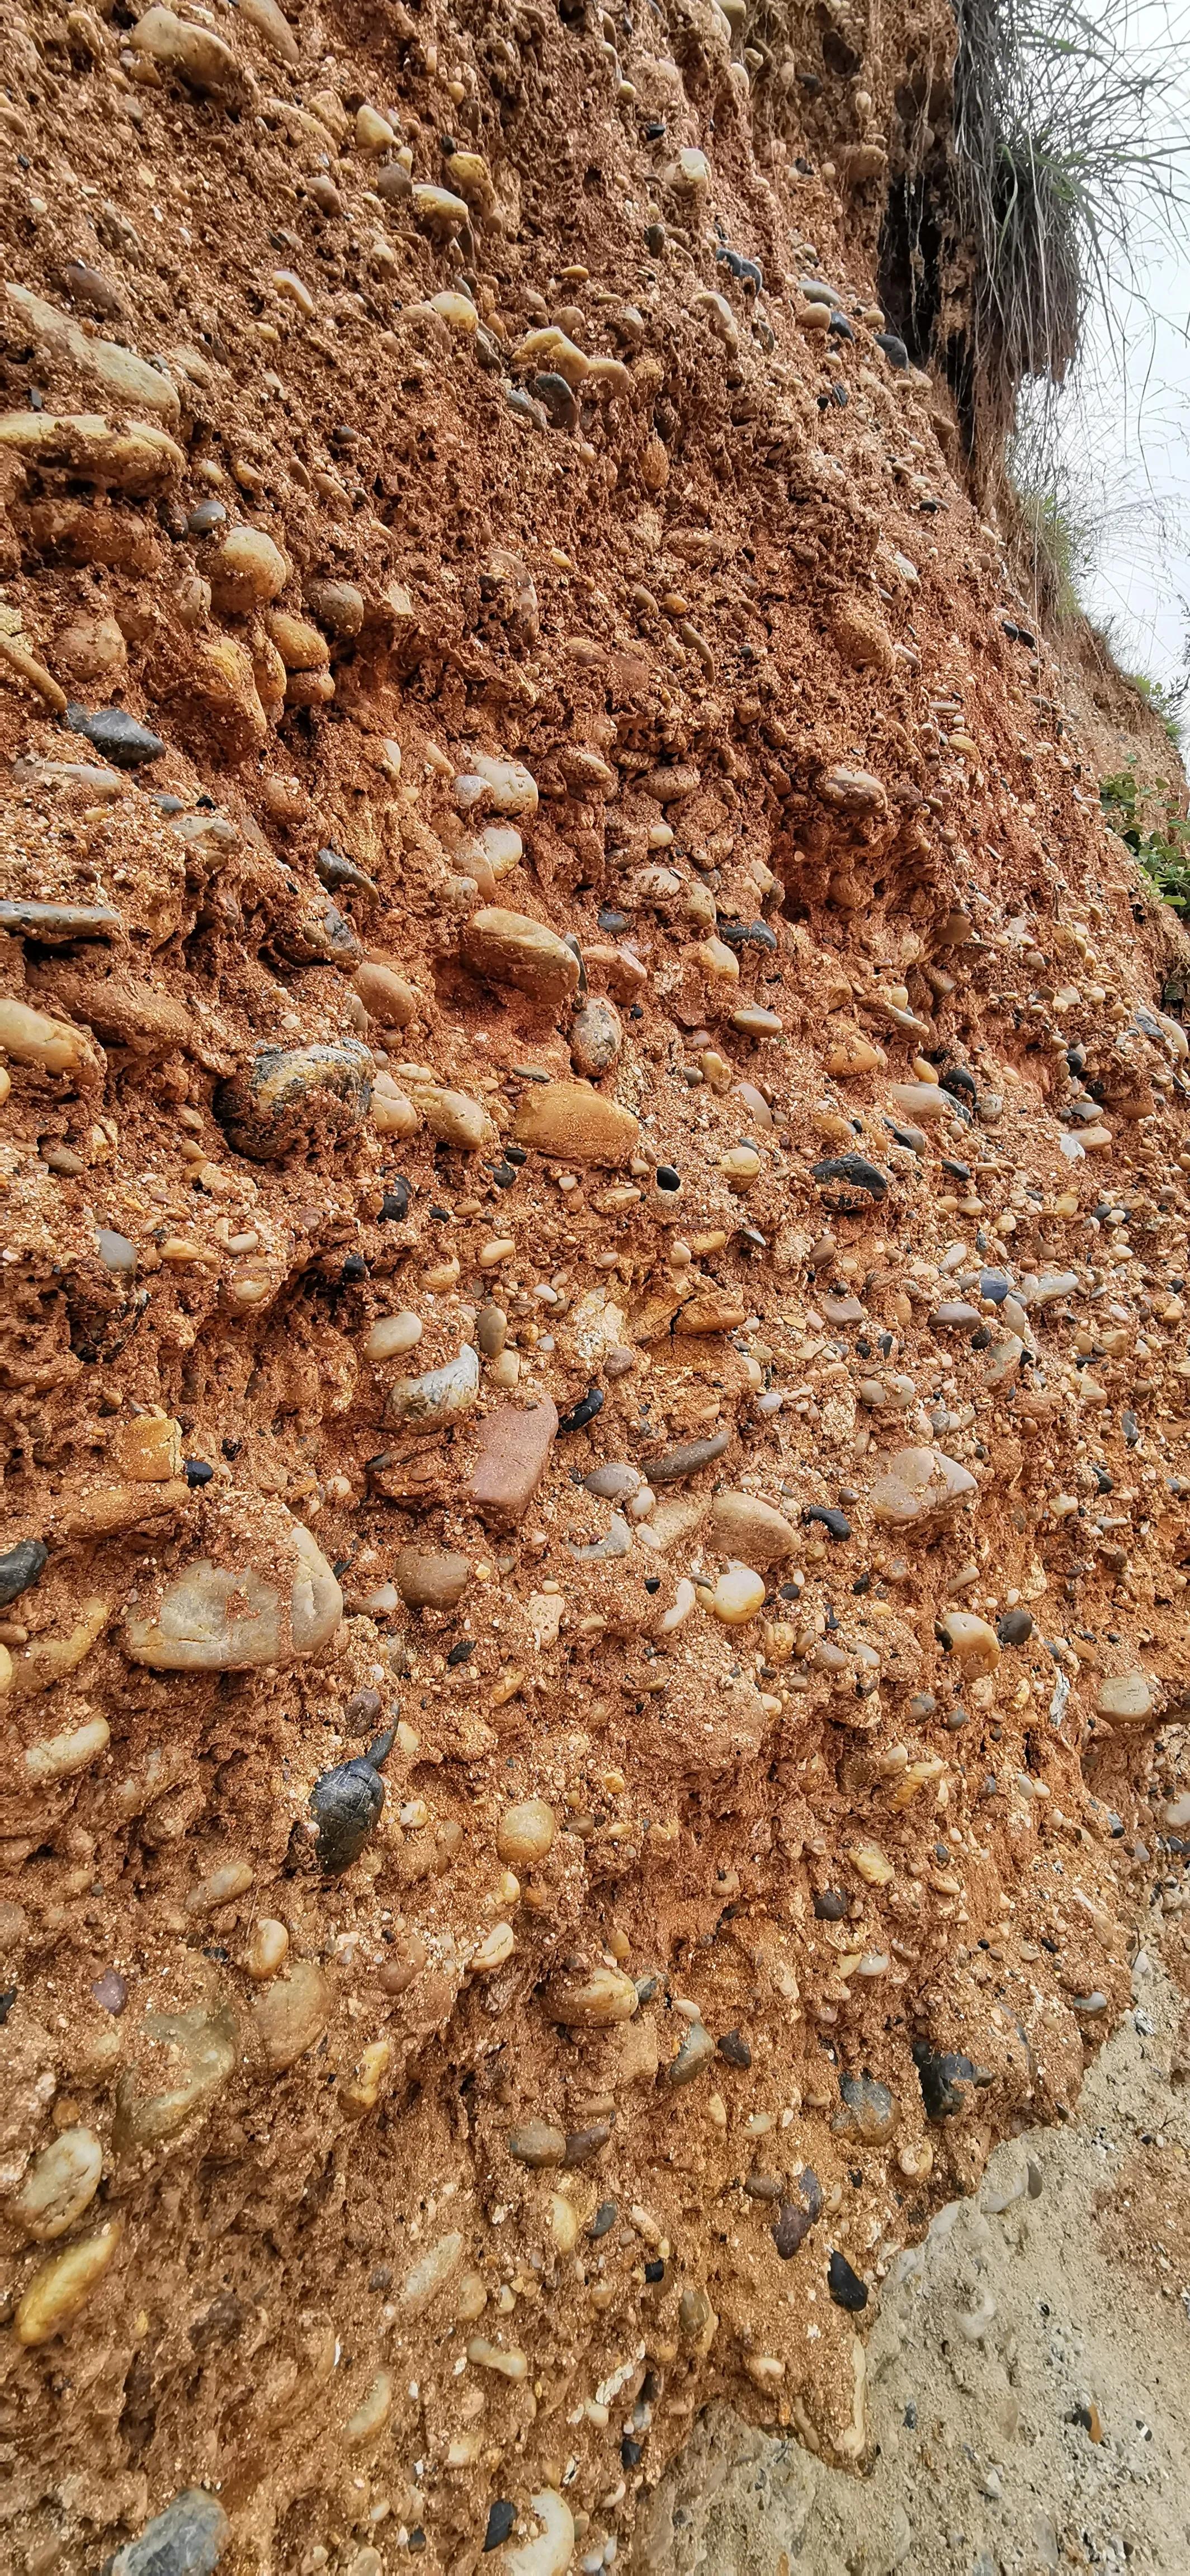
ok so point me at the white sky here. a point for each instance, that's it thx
(1125, 425)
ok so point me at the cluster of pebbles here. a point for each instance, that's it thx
(593, 1289)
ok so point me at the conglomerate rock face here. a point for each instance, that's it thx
(593, 1306)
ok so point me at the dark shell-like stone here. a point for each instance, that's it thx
(346, 1804)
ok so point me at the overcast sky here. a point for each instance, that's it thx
(1125, 427)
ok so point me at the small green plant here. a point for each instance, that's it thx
(1148, 821)
(1167, 700)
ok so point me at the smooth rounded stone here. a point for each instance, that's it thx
(537, 2145)
(188, 2539)
(843, 1310)
(673, 1466)
(127, 744)
(54, 924)
(753, 1021)
(740, 1525)
(338, 605)
(615, 1482)
(593, 2002)
(213, 1619)
(526, 1833)
(737, 1596)
(140, 460)
(292, 2013)
(550, 2550)
(995, 1286)
(869, 2109)
(696, 2052)
(52, 1046)
(203, 60)
(573, 1124)
(385, 995)
(301, 645)
(60, 2184)
(245, 571)
(845, 2286)
(919, 1485)
(392, 1335)
(924, 1100)
(974, 1645)
(23, 1565)
(56, 2293)
(291, 1098)
(850, 1184)
(826, 1516)
(510, 948)
(596, 1037)
(429, 1578)
(491, 1331)
(514, 1448)
(954, 1315)
(1126, 1697)
(188, 2058)
(1014, 1627)
(496, 786)
(1050, 1285)
(440, 1394)
(453, 1117)
(430, 2275)
(129, 379)
(346, 1803)
(830, 1905)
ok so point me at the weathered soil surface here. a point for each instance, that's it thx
(593, 1321)
(1027, 2375)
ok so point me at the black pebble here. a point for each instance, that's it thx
(830, 1906)
(7, 2000)
(958, 1171)
(1015, 1628)
(501, 2517)
(517, 1154)
(654, 2272)
(841, 327)
(558, 400)
(836, 1524)
(346, 1804)
(845, 2286)
(503, 1176)
(116, 734)
(652, 1583)
(462, 1652)
(208, 516)
(395, 1202)
(604, 2219)
(958, 1081)
(655, 238)
(355, 1268)
(850, 1182)
(894, 349)
(667, 1179)
(577, 1420)
(21, 1566)
(735, 2049)
(942, 2076)
(198, 1473)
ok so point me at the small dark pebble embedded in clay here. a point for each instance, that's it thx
(21, 1567)
(501, 2517)
(116, 734)
(734, 2049)
(346, 1804)
(845, 2286)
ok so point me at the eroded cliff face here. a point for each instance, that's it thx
(592, 1283)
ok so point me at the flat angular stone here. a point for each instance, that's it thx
(513, 1449)
(917, 1485)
